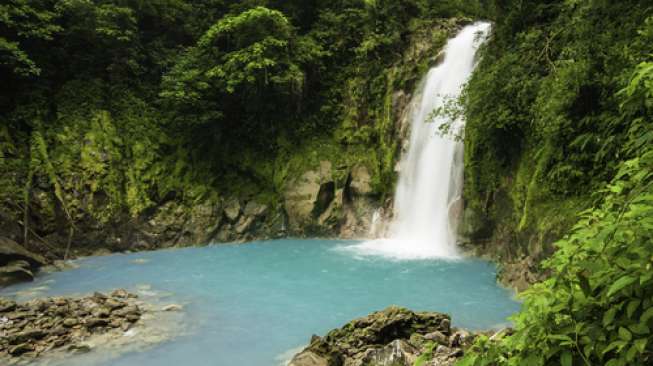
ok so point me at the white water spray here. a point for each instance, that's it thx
(428, 197)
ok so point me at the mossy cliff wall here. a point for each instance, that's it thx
(545, 123)
(103, 171)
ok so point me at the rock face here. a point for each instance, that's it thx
(392, 337)
(331, 201)
(17, 263)
(38, 326)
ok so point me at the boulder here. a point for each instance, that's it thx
(332, 215)
(205, 219)
(360, 181)
(397, 353)
(20, 349)
(308, 358)
(380, 338)
(308, 196)
(299, 197)
(11, 251)
(245, 223)
(437, 337)
(172, 307)
(232, 209)
(255, 209)
(15, 272)
(17, 264)
(168, 219)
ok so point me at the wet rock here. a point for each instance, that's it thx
(360, 182)
(20, 349)
(37, 326)
(244, 224)
(392, 337)
(300, 196)
(7, 305)
(332, 215)
(398, 352)
(17, 264)
(11, 251)
(121, 294)
(101, 312)
(381, 338)
(308, 358)
(128, 310)
(437, 337)
(232, 209)
(113, 304)
(461, 338)
(96, 322)
(446, 326)
(172, 307)
(79, 348)
(99, 297)
(255, 209)
(70, 322)
(15, 272)
(59, 331)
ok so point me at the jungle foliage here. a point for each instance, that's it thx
(544, 125)
(577, 105)
(111, 107)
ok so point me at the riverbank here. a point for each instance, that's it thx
(47, 331)
(394, 336)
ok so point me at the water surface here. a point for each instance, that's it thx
(250, 304)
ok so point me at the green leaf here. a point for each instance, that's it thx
(640, 344)
(608, 317)
(639, 329)
(566, 359)
(647, 315)
(632, 352)
(614, 345)
(560, 337)
(625, 334)
(632, 306)
(620, 284)
(584, 284)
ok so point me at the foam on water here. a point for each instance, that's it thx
(252, 304)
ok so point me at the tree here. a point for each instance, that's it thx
(22, 22)
(248, 62)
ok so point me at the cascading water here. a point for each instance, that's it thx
(427, 200)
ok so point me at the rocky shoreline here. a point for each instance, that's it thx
(392, 337)
(30, 329)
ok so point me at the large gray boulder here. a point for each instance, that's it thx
(232, 209)
(382, 338)
(17, 264)
(10, 251)
(175, 224)
(308, 196)
(361, 181)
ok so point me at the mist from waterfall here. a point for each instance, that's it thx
(428, 202)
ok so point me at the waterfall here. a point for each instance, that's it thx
(427, 201)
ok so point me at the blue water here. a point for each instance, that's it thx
(248, 304)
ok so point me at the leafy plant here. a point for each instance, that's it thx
(597, 305)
